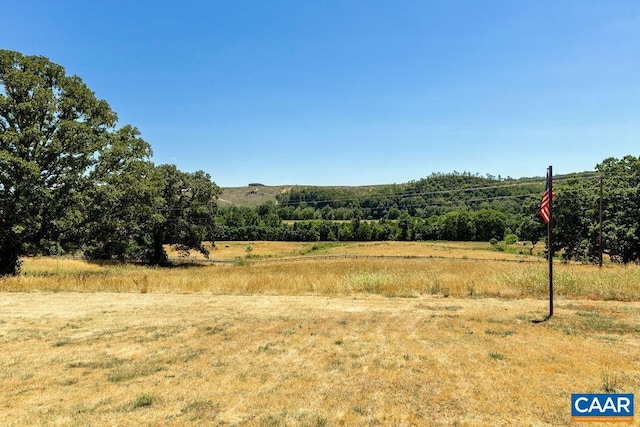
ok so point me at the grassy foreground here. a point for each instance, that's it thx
(199, 359)
(315, 342)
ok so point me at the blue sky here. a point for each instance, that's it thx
(354, 92)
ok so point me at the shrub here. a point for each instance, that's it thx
(510, 239)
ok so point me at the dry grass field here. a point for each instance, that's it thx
(275, 250)
(314, 342)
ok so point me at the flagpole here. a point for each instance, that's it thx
(550, 238)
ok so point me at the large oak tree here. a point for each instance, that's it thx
(53, 130)
(69, 179)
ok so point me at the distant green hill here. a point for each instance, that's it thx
(436, 194)
(455, 206)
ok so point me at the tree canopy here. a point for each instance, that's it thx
(70, 179)
(53, 130)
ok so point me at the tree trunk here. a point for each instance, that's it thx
(159, 255)
(9, 255)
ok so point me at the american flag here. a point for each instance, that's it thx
(545, 207)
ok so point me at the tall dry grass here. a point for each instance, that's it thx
(389, 277)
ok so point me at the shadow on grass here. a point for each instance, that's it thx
(543, 320)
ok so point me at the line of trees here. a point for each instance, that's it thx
(456, 206)
(264, 223)
(459, 206)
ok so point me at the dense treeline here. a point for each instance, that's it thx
(457, 206)
(243, 224)
(435, 195)
(71, 181)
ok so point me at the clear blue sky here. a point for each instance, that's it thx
(354, 92)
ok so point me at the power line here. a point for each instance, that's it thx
(354, 198)
(398, 197)
(402, 195)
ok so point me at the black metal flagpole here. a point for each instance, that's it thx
(546, 211)
(550, 238)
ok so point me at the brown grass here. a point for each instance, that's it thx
(343, 276)
(202, 359)
(314, 342)
(271, 250)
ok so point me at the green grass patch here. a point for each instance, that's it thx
(143, 400)
(496, 356)
(318, 247)
(586, 322)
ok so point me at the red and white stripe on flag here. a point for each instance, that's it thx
(545, 207)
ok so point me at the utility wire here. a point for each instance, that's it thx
(395, 197)
(520, 183)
